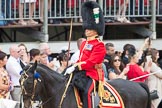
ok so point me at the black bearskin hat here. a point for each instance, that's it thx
(93, 18)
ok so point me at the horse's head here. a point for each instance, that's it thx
(29, 83)
(40, 80)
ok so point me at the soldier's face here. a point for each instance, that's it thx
(90, 33)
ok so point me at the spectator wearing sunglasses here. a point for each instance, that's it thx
(117, 69)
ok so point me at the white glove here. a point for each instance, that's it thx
(69, 70)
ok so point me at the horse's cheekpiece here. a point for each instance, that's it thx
(111, 98)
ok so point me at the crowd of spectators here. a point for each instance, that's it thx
(130, 64)
(138, 65)
(28, 17)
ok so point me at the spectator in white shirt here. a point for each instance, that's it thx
(75, 56)
(13, 67)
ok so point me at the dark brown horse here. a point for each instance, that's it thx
(39, 80)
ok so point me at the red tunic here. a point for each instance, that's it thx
(134, 72)
(92, 52)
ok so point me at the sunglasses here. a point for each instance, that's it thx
(117, 60)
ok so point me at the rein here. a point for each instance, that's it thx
(64, 94)
(41, 104)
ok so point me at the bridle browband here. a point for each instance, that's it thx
(25, 76)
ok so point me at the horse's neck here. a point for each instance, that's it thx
(52, 89)
(56, 91)
(49, 74)
(68, 99)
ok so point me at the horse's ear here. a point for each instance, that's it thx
(34, 65)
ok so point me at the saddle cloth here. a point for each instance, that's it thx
(111, 98)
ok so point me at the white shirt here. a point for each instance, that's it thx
(75, 57)
(13, 68)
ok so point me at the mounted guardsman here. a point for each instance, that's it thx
(92, 53)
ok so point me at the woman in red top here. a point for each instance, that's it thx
(135, 70)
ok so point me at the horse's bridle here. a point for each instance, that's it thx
(24, 77)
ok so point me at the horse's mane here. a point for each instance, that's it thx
(51, 74)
